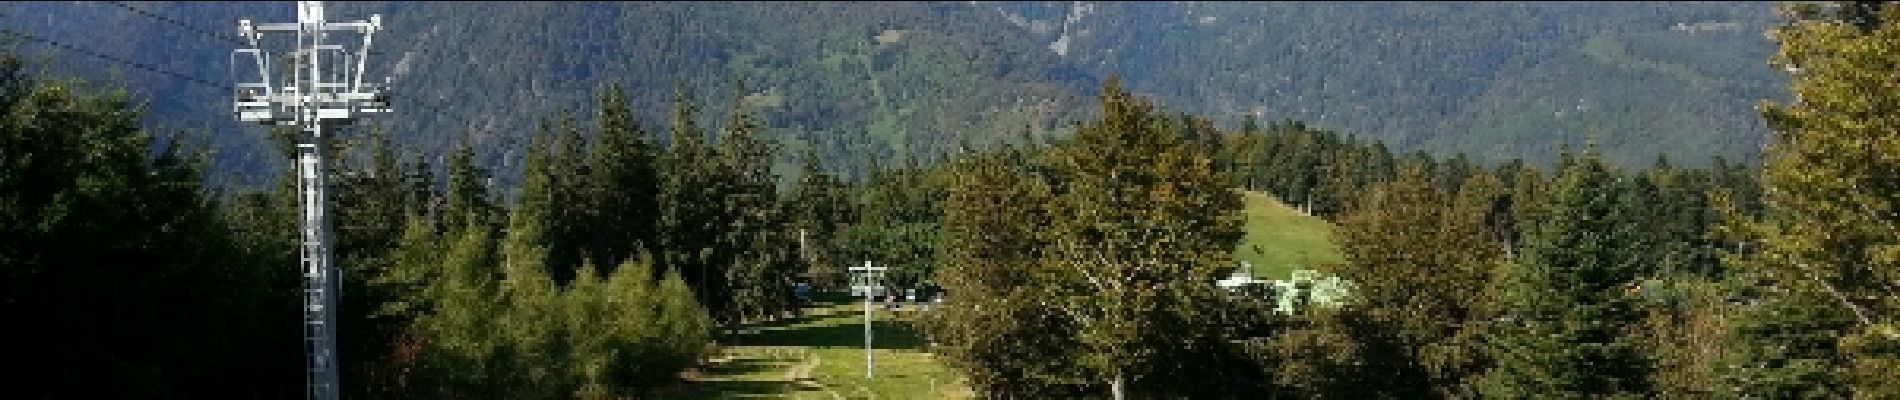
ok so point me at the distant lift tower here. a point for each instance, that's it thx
(319, 88)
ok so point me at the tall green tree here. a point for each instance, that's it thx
(1420, 261)
(118, 275)
(819, 208)
(755, 245)
(1567, 302)
(994, 326)
(457, 344)
(572, 218)
(372, 201)
(625, 185)
(692, 213)
(469, 203)
(1822, 265)
(1140, 229)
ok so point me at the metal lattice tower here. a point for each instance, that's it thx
(319, 95)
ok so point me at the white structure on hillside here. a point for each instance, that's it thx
(1305, 286)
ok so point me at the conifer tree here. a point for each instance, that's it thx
(691, 218)
(118, 276)
(1567, 302)
(458, 353)
(573, 220)
(753, 243)
(469, 205)
(370, 205)
(820, 210)
(625, 185)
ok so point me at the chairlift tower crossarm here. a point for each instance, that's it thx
(319, 102)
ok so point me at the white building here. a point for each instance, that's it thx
(1321, 290)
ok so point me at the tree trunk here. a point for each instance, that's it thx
(1118, 388)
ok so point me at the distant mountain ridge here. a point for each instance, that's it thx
(863, 81)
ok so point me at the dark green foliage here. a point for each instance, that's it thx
(375, 201)
(1320, 172)
(469, 204)
(820, 208)
(119, 276)
(754, 246)
(597, 202)
(898, 222)
(484, 317)
(1568, 302)
(624, 178)
(1421, 263)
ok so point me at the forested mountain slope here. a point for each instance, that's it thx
(854, 81)
(1496, 79)
(861, 81)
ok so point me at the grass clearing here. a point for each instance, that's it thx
(1281, 239)
(820, 355)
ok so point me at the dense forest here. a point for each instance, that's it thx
(624, 240)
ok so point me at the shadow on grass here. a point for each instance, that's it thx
(837, 330)
(744, 366)
(736, 389)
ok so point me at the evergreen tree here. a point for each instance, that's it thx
(458, 349)
(370, 203)
(408, 287)
(820, 209)
(690, 218)
(753, 243)
(118, 275)
(469, 205)
(1512, 215)
(573, 219)
(626, 185)
(1567, 302)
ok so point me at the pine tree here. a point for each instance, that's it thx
(370, 206)
(409, 287)
(469, 205)
(103, 222)
(1568, 300)
(459, 347)
(574, 220)
(1512, 215)
(690, 219)
(820, 209)
(754, 245)
(626, 185)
